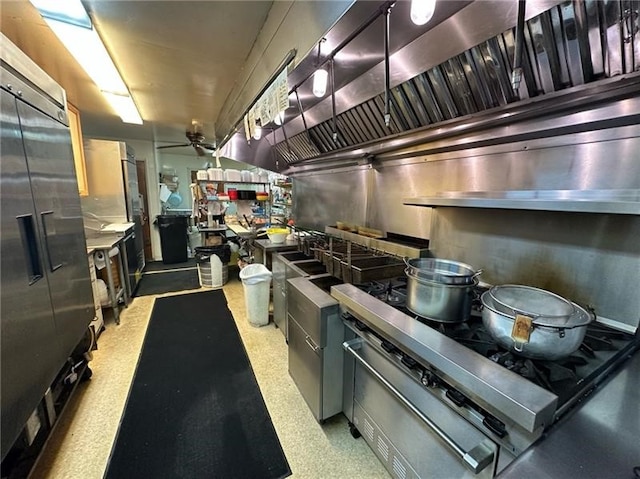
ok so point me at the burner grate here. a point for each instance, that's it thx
(565, 377)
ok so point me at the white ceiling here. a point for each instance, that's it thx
(183, 61)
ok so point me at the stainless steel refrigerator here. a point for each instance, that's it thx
(46, 301)
(114, 197)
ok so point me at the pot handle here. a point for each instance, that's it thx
(477, 273)
(521, 331)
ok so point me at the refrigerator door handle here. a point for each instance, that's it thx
(43, 217)
(27, 230)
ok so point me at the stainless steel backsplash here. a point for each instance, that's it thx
(591, 258)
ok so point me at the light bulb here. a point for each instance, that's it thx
(257, 132)
(279, 118)
(422, 11)
(320, 82)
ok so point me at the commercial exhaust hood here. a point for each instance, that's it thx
(460, 68)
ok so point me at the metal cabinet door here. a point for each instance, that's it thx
(305, 366)
(47, 145)
(388, 425)
(29, 346)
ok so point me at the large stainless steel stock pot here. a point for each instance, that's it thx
(439, 289)
(533, 322)
(443, 271)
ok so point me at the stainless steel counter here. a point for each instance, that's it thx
(270, 246)
(265, 248)
(601, 439)
(105, 242)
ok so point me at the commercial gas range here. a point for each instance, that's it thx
(436, 400)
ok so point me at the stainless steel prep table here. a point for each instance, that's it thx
(598, 440)
(105, 243)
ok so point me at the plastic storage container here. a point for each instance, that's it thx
(173, 238)
(256, 280)
(213, 265)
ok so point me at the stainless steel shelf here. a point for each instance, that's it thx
(624, 202)
(235, 182)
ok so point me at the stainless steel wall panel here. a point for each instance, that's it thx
(323, 199)
(591, 259)
(602, 159)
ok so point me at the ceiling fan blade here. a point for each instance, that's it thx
(207, 146)
(172, 146)
(199, 150)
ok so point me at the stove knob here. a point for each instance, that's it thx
(429, 379)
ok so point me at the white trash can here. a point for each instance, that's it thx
(256, 281)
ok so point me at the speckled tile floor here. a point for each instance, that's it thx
(81, 443)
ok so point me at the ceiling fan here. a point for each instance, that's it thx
(196, 140)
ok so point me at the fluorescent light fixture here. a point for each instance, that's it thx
(124, 107)
(68, 11)
(320, 82)
(71, 24)
(422, 11)
(257, 132)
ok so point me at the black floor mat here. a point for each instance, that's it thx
(153, 266)
(166, 282)
(195, 409)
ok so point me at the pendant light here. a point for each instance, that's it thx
(422, 11)
(320, 76)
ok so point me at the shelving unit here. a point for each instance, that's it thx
(222, 186)
(282, 199)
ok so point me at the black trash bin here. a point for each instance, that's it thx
(173, 238)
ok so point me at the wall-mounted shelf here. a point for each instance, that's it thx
(624, 201)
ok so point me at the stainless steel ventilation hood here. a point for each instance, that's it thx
(459, 68)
